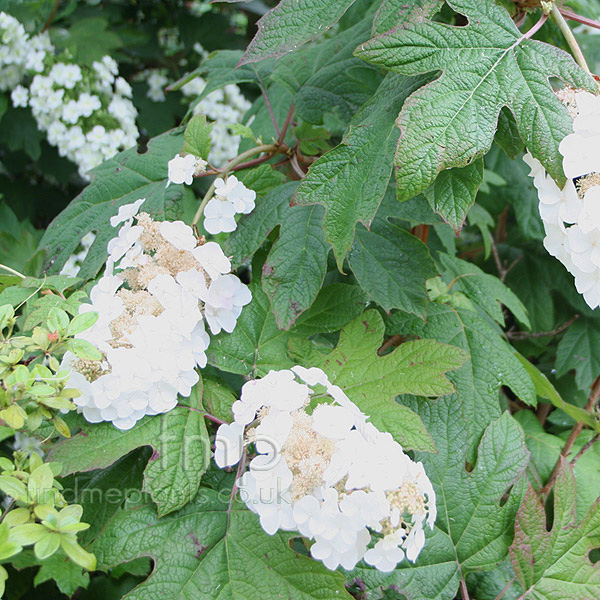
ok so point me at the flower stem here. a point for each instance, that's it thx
(569, 37)
(5, 268)
(269, 148)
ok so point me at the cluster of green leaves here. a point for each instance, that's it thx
(32, 382)
(396, 244)
(36, 514)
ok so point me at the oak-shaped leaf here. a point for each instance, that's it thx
(476, 504)
(373, 382)
(556, 564)
(486, 65)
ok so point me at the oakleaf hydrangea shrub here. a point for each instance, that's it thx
(315, 315)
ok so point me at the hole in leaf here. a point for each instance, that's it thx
(469, 466)
(142, 144)
(299, 546)
(594, 555)
(505, 496)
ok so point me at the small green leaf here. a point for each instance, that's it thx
(84, 349)
(28, 534)
(14, 488)
(47, 545)
(197, 137)
(76, 553)
(58, 319)
(81, 323)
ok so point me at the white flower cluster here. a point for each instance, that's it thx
(159, 287)
(231, 195)
(322, 469)
(571, 215)
(223, 107)
(20, 54)
(157, 81)
(74, 262)
(86, 112)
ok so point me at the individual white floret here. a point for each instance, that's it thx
(229, 444)
(127, 212)
(181, 169)
(219, 216)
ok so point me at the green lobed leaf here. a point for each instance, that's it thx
(210, 550)
(351, 180)
(453, 193)
(335, 306)
(472, 505)
(290, 24)
(373, 382)
(392, 266)
(181, 452)
(123, 179)
(555, 564)
(485, 66)
(295, 268)
(491, 364)
(473, 531)
(579, 349)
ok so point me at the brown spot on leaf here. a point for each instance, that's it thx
(200, 548)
